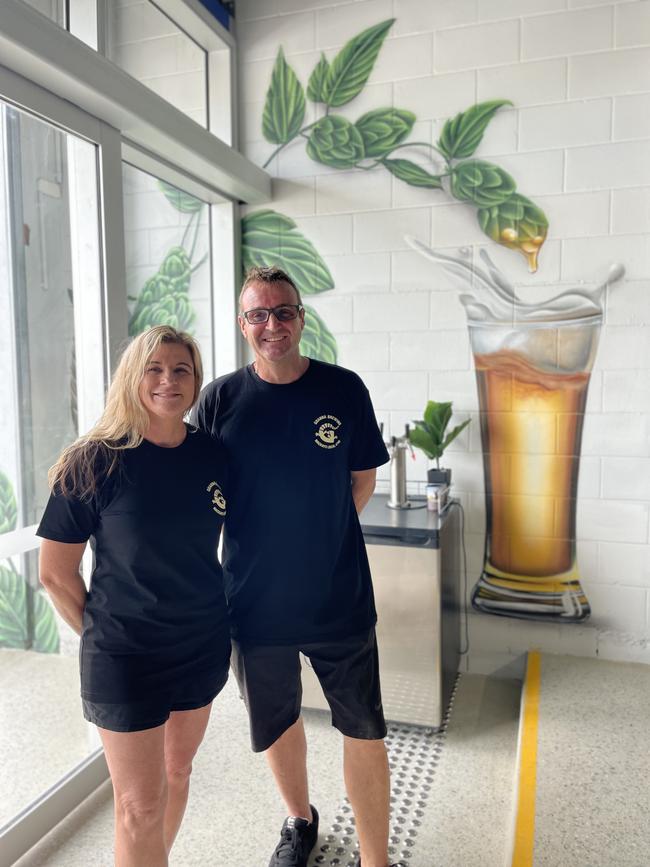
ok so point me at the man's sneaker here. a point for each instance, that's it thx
(297, 839)
(357, 863)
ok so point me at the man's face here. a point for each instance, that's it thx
(271, 340)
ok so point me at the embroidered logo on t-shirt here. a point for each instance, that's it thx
(326, 432)
(218, 499)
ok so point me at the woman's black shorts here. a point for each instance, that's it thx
(135, 716)
(348, 671)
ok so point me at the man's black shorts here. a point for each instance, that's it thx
(348, 671)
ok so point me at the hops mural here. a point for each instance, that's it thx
(506, 216)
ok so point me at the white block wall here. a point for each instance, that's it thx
(578, 142)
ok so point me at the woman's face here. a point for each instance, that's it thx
(167, 387)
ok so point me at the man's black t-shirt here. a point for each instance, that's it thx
(295, 563)
(156, 612)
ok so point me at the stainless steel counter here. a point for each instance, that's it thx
(415, 564)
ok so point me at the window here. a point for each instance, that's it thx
(49, 262)
(148, 45)
(168, 259)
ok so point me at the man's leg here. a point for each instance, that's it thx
(367, 780)
(287, 758)
(269, 681)
(348, 671)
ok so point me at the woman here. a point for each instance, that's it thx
(148, 491)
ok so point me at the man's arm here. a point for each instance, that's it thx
(363, 486)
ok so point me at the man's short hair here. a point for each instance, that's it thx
(267, 275)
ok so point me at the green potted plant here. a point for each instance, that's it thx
(429, 436)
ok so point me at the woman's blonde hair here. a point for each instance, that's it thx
(124, 421)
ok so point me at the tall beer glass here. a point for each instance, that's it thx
(532, 377)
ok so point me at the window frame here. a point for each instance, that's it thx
(100, 103)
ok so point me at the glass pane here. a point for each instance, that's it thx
(150, 47)
(168, 259)
(47, 184)
(54, 9)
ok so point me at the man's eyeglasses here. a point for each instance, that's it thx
(283, 313)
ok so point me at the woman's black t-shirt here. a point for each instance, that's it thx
(156, 611)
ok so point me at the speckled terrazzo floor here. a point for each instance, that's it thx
(234, 815)
(42, 732)
(593, 772)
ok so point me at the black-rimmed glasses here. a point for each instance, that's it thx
(283, 313)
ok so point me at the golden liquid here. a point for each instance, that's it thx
(531, 428)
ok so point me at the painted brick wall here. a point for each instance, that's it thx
(578, 73)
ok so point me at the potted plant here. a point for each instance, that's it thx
(429, 435)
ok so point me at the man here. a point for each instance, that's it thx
(303, 447)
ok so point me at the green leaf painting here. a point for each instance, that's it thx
(383, 129)
(8, 509)
(284, 110)
(183, 202)
(164, 298)
(482, 183)
(15, 596)
(317, 340)
(462, 135)
(270, 239)
(371, 141)
(316, 84)
(336, 142)
(351, 68)
(413, 174)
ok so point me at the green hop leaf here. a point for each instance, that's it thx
(8, 508)
(284, 110)
(15, 596)
(350, 69)
(317, 340)
(518, 224)
(462, 135)
(315, 86)
(174, 309)
(13, 609)
(183, 202)
(412, 174)
(482, 183)
(336, 142)
(270, 239)
(383, 129)
(176, 265)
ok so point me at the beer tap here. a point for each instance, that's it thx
(397, 448)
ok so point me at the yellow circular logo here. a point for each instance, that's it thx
(218, 499)
(326, 431)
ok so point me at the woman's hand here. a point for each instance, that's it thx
(59, 574)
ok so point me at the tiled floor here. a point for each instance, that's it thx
(458, 787)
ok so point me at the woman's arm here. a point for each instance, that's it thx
(363, 486)
(59, 574)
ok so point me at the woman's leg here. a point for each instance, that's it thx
(136, 764)
(184, 732)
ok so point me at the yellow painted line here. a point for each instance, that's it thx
(524, 835)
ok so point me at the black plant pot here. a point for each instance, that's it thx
(439, 477)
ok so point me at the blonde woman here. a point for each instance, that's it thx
(148, 491)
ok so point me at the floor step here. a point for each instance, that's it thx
(583, 764)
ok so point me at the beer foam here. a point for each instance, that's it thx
(489, 297)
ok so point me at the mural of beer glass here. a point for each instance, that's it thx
(533, 363)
